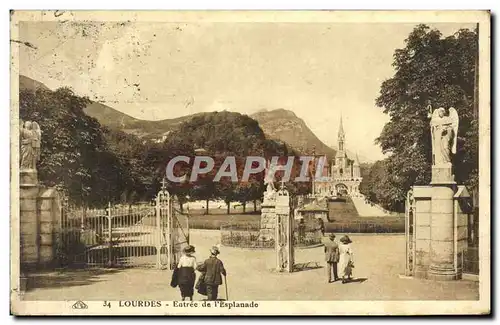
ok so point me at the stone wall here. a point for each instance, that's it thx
(267, 222)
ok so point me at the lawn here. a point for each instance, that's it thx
(214, 221)
(340, 225)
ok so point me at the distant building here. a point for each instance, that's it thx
(342, 176)
(163, 138)
(313, 211)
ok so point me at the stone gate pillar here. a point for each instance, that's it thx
(39, 208)
(284, 232)
(268, 215)
(28, 193)
(267, 220)
(443, 188)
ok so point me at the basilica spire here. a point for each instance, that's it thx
(341, 136)
(341, 128)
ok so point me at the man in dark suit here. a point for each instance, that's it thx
(332, 256)
(213, 269)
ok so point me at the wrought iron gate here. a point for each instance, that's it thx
(145, 235)
(410, 233)
(179, 231)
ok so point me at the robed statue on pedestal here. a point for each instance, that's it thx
(30, 136)
(444, 132)
(270, 192)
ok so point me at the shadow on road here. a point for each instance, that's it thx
(357, 280)
(299, 267)
(218, 299)
(66, 278)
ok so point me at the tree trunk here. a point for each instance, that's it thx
(244, 206)
(254, 205)
(228, 207)
(181, 206)
(206, 208)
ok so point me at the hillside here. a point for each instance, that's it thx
(30, 84)
(279, 124)
(113, 118)
(284, 125)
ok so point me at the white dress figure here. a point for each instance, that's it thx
(346, 261)
(186, 272)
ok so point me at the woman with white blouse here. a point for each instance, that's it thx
(186, 275)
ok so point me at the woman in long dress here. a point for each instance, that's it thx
(346, 262)
(186, 275)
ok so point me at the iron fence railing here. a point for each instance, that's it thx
(470, 261)
(308, 237)
(247, 235)
(366, 227)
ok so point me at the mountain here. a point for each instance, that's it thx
(285, 126)
(113, 118)
(30, 84)
(279, 124)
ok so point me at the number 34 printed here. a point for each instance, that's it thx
(107, 304)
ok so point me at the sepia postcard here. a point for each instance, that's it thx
(250, 163)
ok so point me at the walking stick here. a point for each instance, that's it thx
(225, 285)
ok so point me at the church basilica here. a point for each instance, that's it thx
(341, 177)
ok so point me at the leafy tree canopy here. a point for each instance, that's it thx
(89, 162)
(430, 69)
(219, 135)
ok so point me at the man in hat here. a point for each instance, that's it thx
(213, 269)
(332, 258)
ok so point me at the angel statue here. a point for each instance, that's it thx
(444, 131)
(30, 134)
(269, 182)
(269, 177)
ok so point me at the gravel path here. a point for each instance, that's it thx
(379, 260)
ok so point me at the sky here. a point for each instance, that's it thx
(153, 71)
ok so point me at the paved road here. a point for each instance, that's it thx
(379, 260)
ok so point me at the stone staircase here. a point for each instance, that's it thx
(369, 209)
(342, 209)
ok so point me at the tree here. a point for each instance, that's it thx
(377, 187)
(139, 159)
(177, 144)
(436, 70)
(74, 153)
(220, 135)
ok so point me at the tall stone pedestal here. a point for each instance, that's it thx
(28, 194)
(436, 228)
(267, 220)
(442, 259)
(284, 233)
(39, 222)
